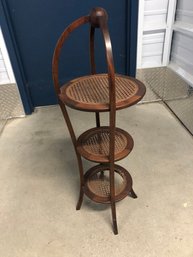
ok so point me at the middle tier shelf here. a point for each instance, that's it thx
(93, 144)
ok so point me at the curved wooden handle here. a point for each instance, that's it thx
(74, 25)
(98, 18)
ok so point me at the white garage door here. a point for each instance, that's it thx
(155, 32)
(165, 36)
(182, 43)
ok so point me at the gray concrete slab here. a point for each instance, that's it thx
(39, 189)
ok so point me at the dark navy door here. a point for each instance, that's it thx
(31, 29)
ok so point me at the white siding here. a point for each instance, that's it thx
(151, 32)
(155, 32)
(182, 52)
(152, 49)
(155, 14)
(182, 45)
(3, 72)
(6, 72)
(185, 11)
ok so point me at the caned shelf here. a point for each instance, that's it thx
(97, 183)
(93, 144)
(91, 93)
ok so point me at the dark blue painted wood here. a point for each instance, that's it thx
(14, 55)
(131, 36)
(37, 26)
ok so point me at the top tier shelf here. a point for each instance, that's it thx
(91, 93)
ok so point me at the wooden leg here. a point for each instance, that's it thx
(74, 141)
(113, 209)
(101, 176)
(97, 119)
(132, 194)
(80, 200)
(98, 124)
(81, 194)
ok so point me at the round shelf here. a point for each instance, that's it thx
(93, 144)
(91, 93)
(97, 183)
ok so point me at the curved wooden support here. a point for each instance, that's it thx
(98, 18)
(74, 141)
(92, 58)
(93, 66)
(55, 61)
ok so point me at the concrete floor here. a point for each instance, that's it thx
(39, 186)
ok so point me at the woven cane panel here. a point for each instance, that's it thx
(94, 144)
(95, 89)
(98, 143)
(99, 184)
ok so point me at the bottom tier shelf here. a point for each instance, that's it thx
(97, 183)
